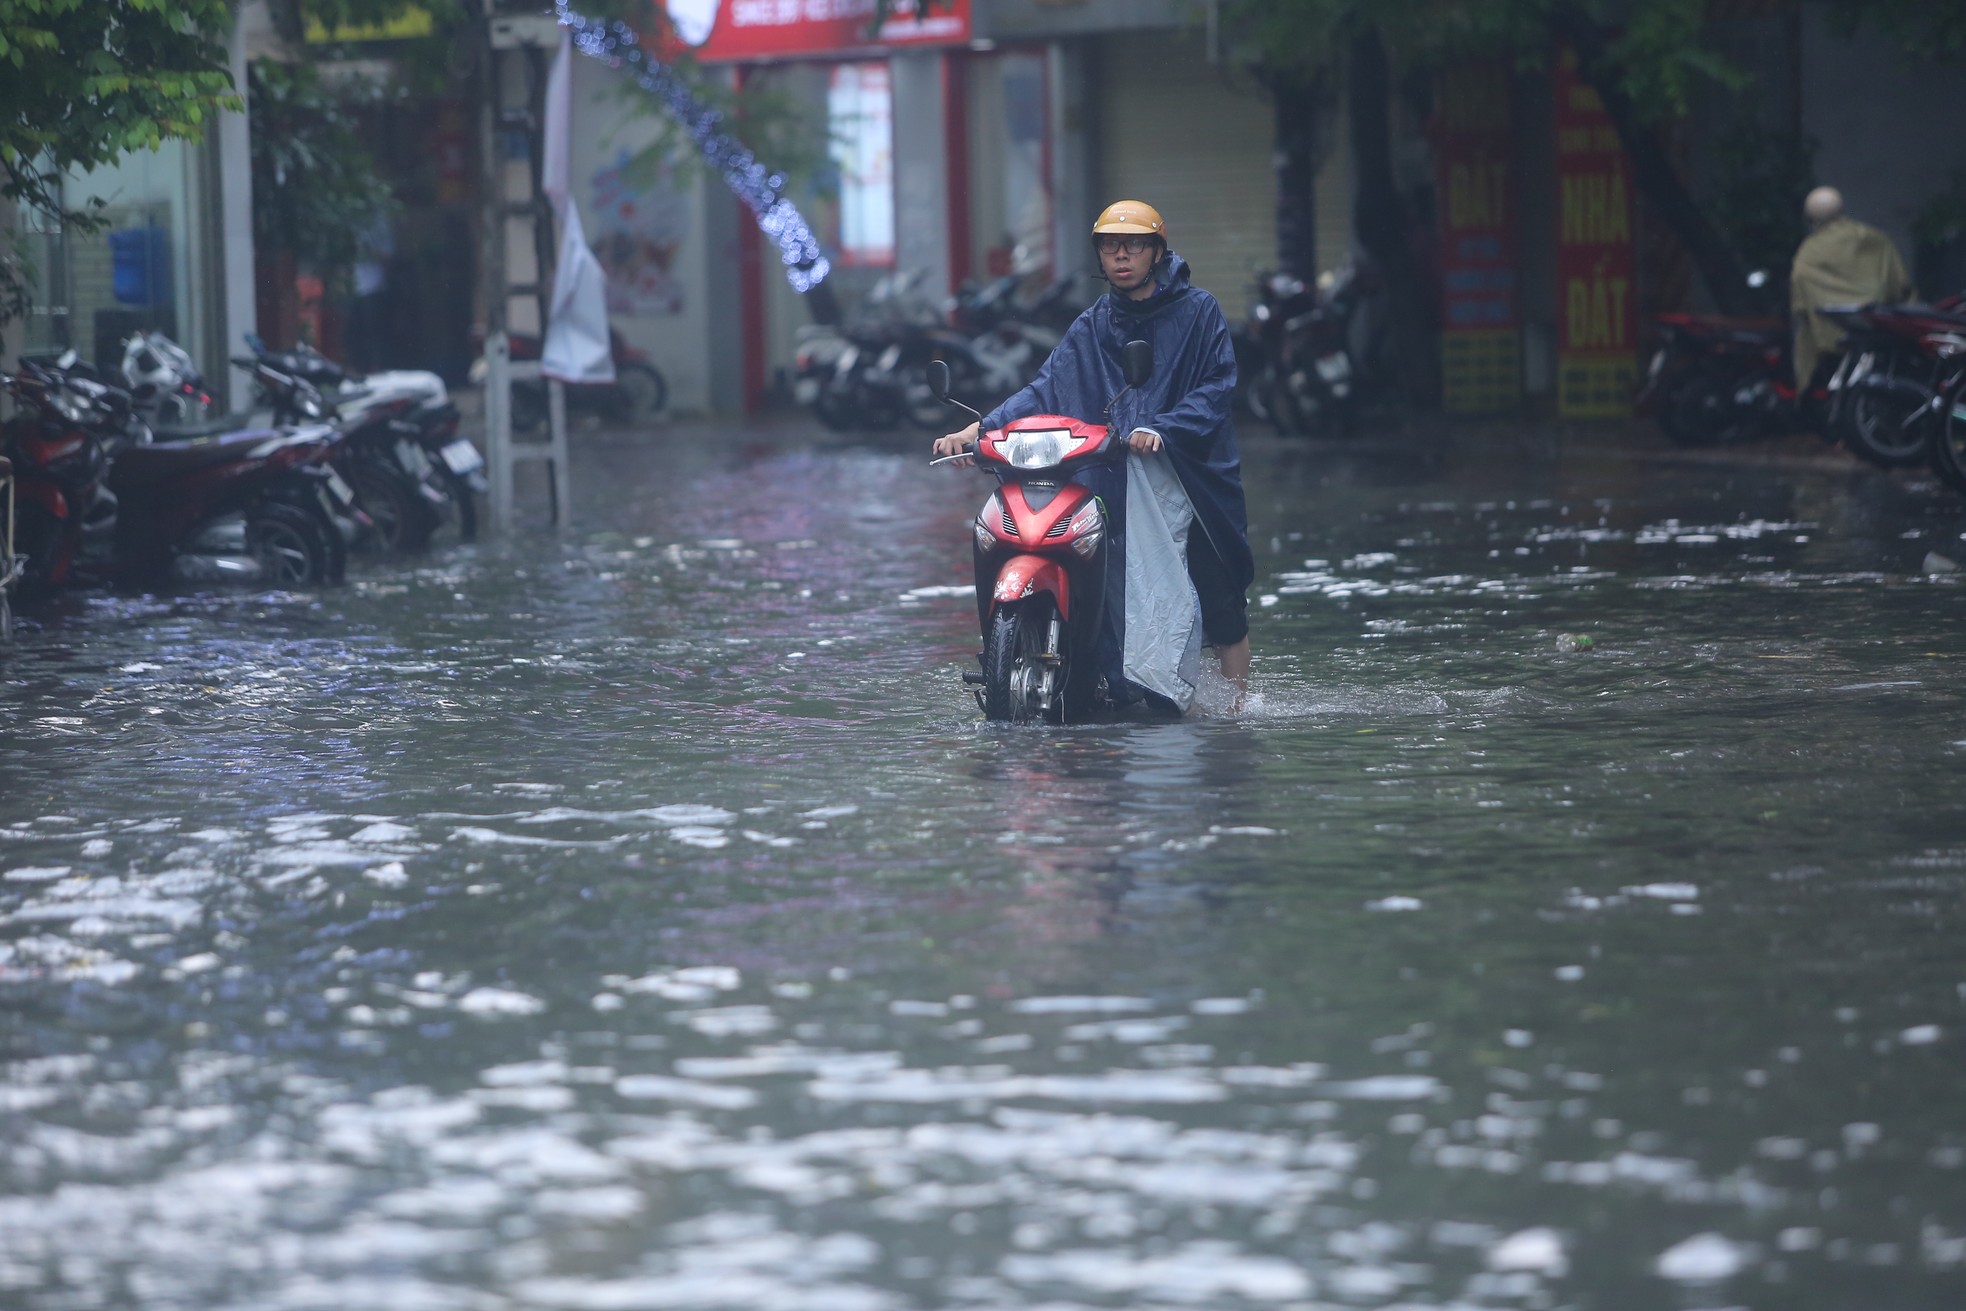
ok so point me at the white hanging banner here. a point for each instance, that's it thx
(577, 347)
(556, 169)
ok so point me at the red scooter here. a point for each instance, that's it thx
(1040, 556)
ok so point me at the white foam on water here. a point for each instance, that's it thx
(994, 1083)
(1068, 1005)
(1196, 1274)
(499, 1001)
(1707, 1258)
(685, 1092)
(1539, 1249)
(37, 873)
(1386, 1088)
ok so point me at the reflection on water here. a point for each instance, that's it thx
(1572, 917)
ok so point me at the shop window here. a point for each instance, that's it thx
(860, 114)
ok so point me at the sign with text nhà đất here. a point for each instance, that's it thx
(1597, 310)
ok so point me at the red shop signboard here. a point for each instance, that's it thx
(737, 31)
(1597, 311)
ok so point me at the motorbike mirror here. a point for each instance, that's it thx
(1137, 362)
(1758, 279)
(938, 379)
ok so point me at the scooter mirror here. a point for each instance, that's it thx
(1137, 362)
(938, 379)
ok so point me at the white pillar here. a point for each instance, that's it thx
(239, 313)
(1073, 206)
(921, 179)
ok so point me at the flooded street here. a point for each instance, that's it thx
(645, 918)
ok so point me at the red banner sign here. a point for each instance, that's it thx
(1481, 335)
(1597, 308)
(734, 31)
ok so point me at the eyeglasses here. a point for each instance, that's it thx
(1132, 245)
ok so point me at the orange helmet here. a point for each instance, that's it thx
(1130, 217)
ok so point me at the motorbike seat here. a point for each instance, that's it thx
(169, 458)
(217, 426)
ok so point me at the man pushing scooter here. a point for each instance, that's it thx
(1182, 496)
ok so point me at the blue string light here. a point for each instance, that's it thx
(761, 189)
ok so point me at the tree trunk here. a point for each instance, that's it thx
(1382, 224)
(1295, 97)
(1653, 171)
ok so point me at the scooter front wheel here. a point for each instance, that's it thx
(1023, 674)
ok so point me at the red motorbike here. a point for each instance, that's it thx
(638, 393)
(1040, 548)
(1715, 380)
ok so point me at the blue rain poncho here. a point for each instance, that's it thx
(1187, 401)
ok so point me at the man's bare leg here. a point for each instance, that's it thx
(1235, 668)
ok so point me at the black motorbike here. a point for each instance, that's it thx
(412, 469)
(1298, 350)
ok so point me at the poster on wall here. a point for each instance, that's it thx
(741, 30)
(640, 222)
(1597, 311)
(1481, 333)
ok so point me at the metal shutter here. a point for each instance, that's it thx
(1193, 139)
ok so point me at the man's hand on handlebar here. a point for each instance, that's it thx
(958, 443)
(1143, 442)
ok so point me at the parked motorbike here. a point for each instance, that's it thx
(993, 344)
(63, 518)
(411, 469)
(109, 505)
(638, 393)
(1299, 346)
(10, 562)
(1948, 449)
(1886, 387)
(1040, 547)
(848, 373)
(1714, 380)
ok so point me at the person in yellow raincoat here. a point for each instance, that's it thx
(1840, 262)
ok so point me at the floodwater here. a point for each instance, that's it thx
(644, 918)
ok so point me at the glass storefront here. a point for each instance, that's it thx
(91, 290)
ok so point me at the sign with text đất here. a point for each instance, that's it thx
(736, 31)
(1597, 309)
(1481, 333)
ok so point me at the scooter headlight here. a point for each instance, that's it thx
(1087, 528)
(1036, 450)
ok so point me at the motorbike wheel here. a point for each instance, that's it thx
(833, 410)
(639, 393)
(1948, 451)
(1698, 409)
(1013, 665)
(389, 496)
(293, 546)
(465, 500)
(1887, 428)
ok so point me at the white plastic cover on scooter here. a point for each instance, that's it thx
(1162, 652)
